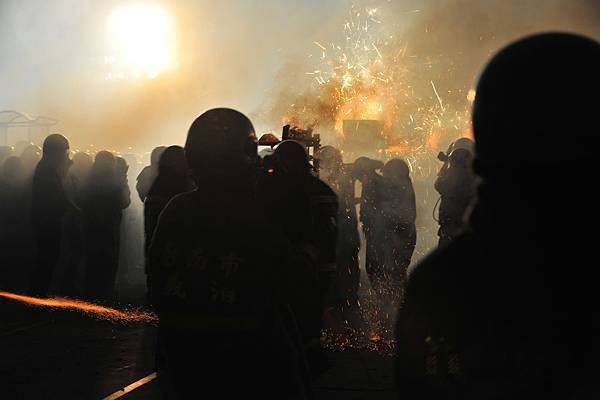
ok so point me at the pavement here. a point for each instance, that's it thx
(62, 354)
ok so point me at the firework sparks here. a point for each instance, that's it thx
(84, 307)
(439, 99)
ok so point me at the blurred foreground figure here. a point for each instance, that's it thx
(104, 197)
(49, 203)
(173, 178)
(14, 239)
(456, 186)
(344, 288)
(147, 176)
(509, 309)
(220, 277)
(307, 209)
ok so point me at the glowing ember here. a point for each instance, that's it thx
(357, 341)
(90, 309)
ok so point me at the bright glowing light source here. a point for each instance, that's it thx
(141, 39)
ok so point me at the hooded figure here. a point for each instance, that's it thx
(509, 308)
(221, 281)
(148, 174)
(49, 204)
(105, 195)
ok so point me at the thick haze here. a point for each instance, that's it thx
(252, 55)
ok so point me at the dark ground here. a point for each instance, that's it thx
(51, 354)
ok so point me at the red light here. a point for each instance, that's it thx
(270, 170)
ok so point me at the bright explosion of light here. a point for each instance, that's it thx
(141, 40)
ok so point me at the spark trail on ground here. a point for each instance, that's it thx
(86, 308)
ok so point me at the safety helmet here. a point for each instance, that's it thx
(396, 169)
(220, 135)
(293, 156)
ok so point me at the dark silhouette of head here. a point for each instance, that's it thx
(329, 158)
(532, 95)
(156, 153)
(219, 141)
(293, 157)
(173, 159)
(396, 170)
(463, 143)
(55, 149)
(13, 171)
(104, 163)
(121, 166)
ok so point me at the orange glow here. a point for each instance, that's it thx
(398, 149)
(270, 170)
(90, 309)
(433, 141)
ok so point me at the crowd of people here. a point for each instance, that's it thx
(247, 257)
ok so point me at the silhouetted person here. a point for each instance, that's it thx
(456, 186)
(508, 309)
(345, 285)
(394, 234)
(49, 203)
(73, 224)
(307, 209)
(13, 224)
(173, 178)
(148, 174)
(220, 275)
(105, 195)
(365, 171)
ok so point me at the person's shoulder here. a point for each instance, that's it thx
(181, 203)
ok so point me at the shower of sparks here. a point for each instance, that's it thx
(372, 75)
(87, 308)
